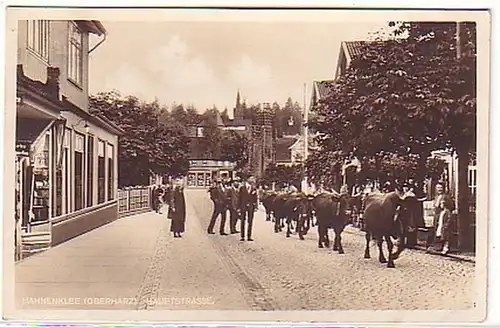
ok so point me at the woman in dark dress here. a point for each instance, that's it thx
(178, 207)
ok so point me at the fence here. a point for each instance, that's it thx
(134, 200)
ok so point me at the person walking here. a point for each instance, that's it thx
(443, 230)
(233, 194)
(247, 205)
(219, 199)
(178, 209)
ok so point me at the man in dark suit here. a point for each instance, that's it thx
(233, 198)
(247, 205)
(219, 198)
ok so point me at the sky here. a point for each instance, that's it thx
(206, 63)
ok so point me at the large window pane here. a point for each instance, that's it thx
(111, 172)
(78, 181)
(38, 37)
(75, 62)
(101, 174)
(90, 174)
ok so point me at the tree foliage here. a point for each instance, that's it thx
(283, 175)
(234, 148)
(148, 146)
(408, 96)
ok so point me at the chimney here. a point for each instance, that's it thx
(53, 82)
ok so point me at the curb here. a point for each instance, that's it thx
(460, 257)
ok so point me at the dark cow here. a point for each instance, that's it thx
(297, 208)
(331, 212)
(386, 216)
(268, 198)
(280, 211)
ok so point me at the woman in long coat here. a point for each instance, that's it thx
(178, 208)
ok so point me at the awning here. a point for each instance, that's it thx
(29, 129)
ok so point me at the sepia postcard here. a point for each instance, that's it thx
(235, 165)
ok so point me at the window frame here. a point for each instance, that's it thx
(75, 44)
(101, 156)
(37, 38)
(79, 188)
(90, 170)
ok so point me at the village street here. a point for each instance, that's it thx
(135, 263)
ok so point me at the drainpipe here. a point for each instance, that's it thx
(99, 43)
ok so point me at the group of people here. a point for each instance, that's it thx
(172, 196)
(238, 198)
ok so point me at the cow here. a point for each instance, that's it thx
(386, 216)
(268, 198)
(280, 211)
(331, 212)
(297, 207)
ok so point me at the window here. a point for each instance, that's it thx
(90, 173)
(101, 174)
(79, 151)
(75, 58)
(38, 38)
(67, 171)
(111, 172)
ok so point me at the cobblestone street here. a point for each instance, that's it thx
(135, 263)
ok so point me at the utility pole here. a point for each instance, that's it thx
(305, 130)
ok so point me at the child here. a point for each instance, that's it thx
(443, 230)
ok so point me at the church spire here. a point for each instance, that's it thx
(238, 99)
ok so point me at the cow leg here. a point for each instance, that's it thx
(390, 246)
(320, 236)
(327, 239)
(381, 256)
(335, 241)
(338, 240)
(367, 248)
(300, 226)
(288, 227)
(276, 224)
(268, 215)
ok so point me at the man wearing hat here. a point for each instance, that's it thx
(232, 195)
(218, 196)
(247, 202)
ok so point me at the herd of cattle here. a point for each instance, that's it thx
(386, 216)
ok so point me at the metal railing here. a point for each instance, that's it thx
(134, 199)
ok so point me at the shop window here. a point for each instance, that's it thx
(90, 173)
(75, 58)
(41, 180)
(79, 151)
(58, 181)
(38, 38)
(111, 172)
(101, 174)
(67, 172)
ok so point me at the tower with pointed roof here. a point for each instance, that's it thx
(238, 110)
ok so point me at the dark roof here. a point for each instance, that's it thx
(239, 122)
(324, 87)
(29, 129)
(354, 48)
(92, 26)
(283, 152)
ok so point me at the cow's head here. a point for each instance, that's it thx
(407, 213)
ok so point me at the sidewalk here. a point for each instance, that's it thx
(108, 262)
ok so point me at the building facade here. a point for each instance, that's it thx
(262, 144)
(66, 158)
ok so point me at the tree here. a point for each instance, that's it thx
(233, 148)
(147, 146)
(283, 175)
(407, 96)
(212, 134)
